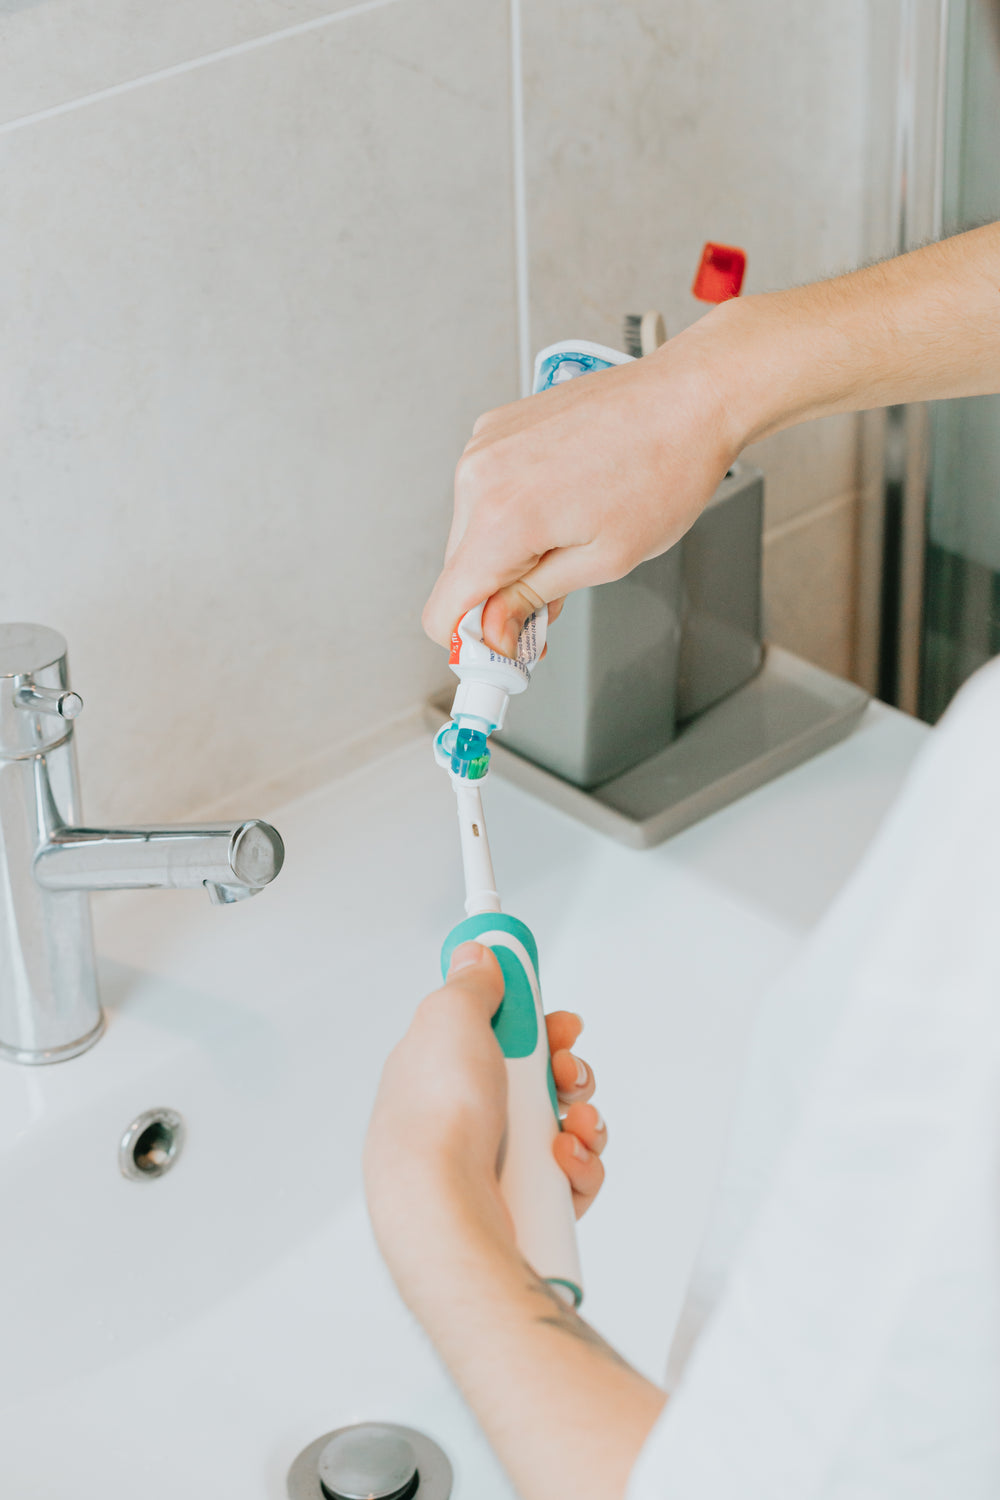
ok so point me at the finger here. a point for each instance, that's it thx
(521, 584)
(505, 614)
(583, 1169)
(554, 576)
(474, 969)
(485, 560)
(563, 1028)
(573, 1078)
(587, 1124)
(494, 554)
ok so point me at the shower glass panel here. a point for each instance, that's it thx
(961, 625)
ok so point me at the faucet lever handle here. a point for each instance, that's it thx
(60, 702)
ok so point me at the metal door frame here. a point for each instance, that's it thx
(908, 57)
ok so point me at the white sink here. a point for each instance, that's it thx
(187, 1336)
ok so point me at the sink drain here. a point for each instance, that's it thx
(151, 1144)
(371, 1461)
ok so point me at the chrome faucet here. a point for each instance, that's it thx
(49, 1004)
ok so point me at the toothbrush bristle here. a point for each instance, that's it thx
(632, 334)
(475, 770)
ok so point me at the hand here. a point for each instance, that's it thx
(438, 1120)
(579, 484)
(564, 1412)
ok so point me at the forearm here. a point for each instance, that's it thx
(924, 326)
(564, 1413)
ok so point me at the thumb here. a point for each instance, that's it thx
(504, 615)
(505, 612)
(475, 968)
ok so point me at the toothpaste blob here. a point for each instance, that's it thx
(487, 680)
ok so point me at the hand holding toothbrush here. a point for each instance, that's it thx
(439, 1118)
(566, 1414)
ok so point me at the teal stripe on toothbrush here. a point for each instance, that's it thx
(516, 1022)
(488, 921)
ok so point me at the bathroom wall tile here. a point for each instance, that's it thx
(52, 51)
(807, 466)
(249, 314)
(809, 585)
(652, 128)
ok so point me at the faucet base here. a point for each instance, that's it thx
(55, 1054)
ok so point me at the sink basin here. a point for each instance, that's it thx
(188, 1334)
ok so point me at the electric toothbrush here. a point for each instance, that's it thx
(534, 1187)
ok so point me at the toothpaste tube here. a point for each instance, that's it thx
(487, 680)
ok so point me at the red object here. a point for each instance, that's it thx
(720, 273)
(455, 654)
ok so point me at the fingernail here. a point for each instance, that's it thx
(464, 956)
(581, 1073)
(600, 1119)
(579, 1149)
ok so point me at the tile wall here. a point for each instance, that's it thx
(261, 271)
(652, 127)
(251, 307)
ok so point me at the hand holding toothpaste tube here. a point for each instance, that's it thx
(579, 484)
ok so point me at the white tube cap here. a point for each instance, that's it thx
(481, 700)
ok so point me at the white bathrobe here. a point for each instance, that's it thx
(842, 1336)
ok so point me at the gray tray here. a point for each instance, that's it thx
(790, 711)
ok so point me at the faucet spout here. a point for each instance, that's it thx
(232, 860)
(50, 1008)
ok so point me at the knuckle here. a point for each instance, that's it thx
(467, 470)
(476, 480)
(483, 421)
(473, 463)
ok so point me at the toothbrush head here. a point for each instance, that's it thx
(463, 751)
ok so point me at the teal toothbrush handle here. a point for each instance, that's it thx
(534, 1187)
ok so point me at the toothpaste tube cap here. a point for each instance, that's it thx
(483, 701)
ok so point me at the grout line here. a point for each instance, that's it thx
(237, 50)
(520, 200)
(806, 517)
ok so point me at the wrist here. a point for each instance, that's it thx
(779, 358)
(439, 1226)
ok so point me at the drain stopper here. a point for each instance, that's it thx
(369, 1462)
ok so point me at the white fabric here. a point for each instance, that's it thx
(851, 1277)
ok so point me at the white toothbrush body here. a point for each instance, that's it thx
(533, 1185)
